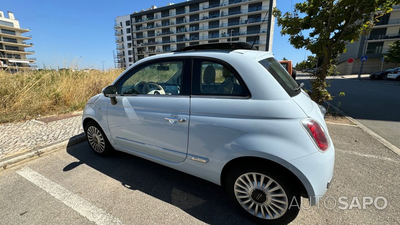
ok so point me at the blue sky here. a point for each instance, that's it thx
(73, 32)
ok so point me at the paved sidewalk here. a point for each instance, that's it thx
(17, 138)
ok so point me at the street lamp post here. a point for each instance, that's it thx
(231, 34)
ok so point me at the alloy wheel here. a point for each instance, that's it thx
(261, 196)
(96, 139)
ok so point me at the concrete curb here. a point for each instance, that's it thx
(9, 161)
(387, 144)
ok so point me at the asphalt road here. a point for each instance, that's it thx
(374, 103)
(75, 186)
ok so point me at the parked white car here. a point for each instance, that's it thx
(224, 113)
(394, 74)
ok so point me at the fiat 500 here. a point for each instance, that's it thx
(225, 113)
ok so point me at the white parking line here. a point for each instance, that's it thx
(369, 156)
(70, 199)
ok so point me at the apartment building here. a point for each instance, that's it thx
(374, 46)
(165, 29)
(13, 56)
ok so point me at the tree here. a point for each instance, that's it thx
(332, 24)
(394, 53)
(310, 63)
(284, 58)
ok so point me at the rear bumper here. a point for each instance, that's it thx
(316, 173)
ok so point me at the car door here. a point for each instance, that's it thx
(151, 116)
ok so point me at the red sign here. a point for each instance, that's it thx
(351, 60)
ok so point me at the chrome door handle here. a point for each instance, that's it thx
(175, 119)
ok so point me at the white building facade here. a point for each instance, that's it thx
(175, 26)
(13, 56)
(374, 46)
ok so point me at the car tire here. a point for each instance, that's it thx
(263, 195)
(97, 140)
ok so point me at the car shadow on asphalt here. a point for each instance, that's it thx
(199, 198)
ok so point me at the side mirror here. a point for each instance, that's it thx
(111, 92)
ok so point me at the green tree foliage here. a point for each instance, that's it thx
(332, 24)
(310, 63)
(394, 53)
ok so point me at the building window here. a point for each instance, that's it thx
(194, 7)
(129, 53)
(213, 34)
(128, 30)
(377, 33)
(11, 40)
(129, 45)
(233, 21)
(165, 13)
(194, 18)
(127, 23)
(4, 31)
(254, 18)
(180, 10)
(213, 3)
(129, 38)
(253, 29)
(180, 20)
(12, 48)
(213, 14)
(255, 7)
(213, 24)
(130, 60)
(375, 48)
(180, 46)
(150, 16)
(234, 10)
(254, 39)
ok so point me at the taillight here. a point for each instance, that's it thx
(317, 133)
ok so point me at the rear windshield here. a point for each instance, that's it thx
(281, 75)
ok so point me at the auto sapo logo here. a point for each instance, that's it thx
(345, 202)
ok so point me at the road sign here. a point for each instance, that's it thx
(364, 58)
(351, 60)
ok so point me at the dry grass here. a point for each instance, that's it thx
(28, 95)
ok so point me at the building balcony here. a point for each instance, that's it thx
(119, 40)
(117, 26)
(383, 36)
(388, 22)
(16, 51)
(22, 30)
(13, 43)
(118, 33)
(10, 35)
(208, 8)
(377, 52)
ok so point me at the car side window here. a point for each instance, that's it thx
(157, 78)
(218, 79)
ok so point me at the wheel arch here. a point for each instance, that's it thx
(303, 184)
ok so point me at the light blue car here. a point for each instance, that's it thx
(227, 114)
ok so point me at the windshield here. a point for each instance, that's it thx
(281, 75)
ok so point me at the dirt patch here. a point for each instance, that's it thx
(49, 119)
(334, 118)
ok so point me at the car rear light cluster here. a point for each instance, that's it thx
(317, 133)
